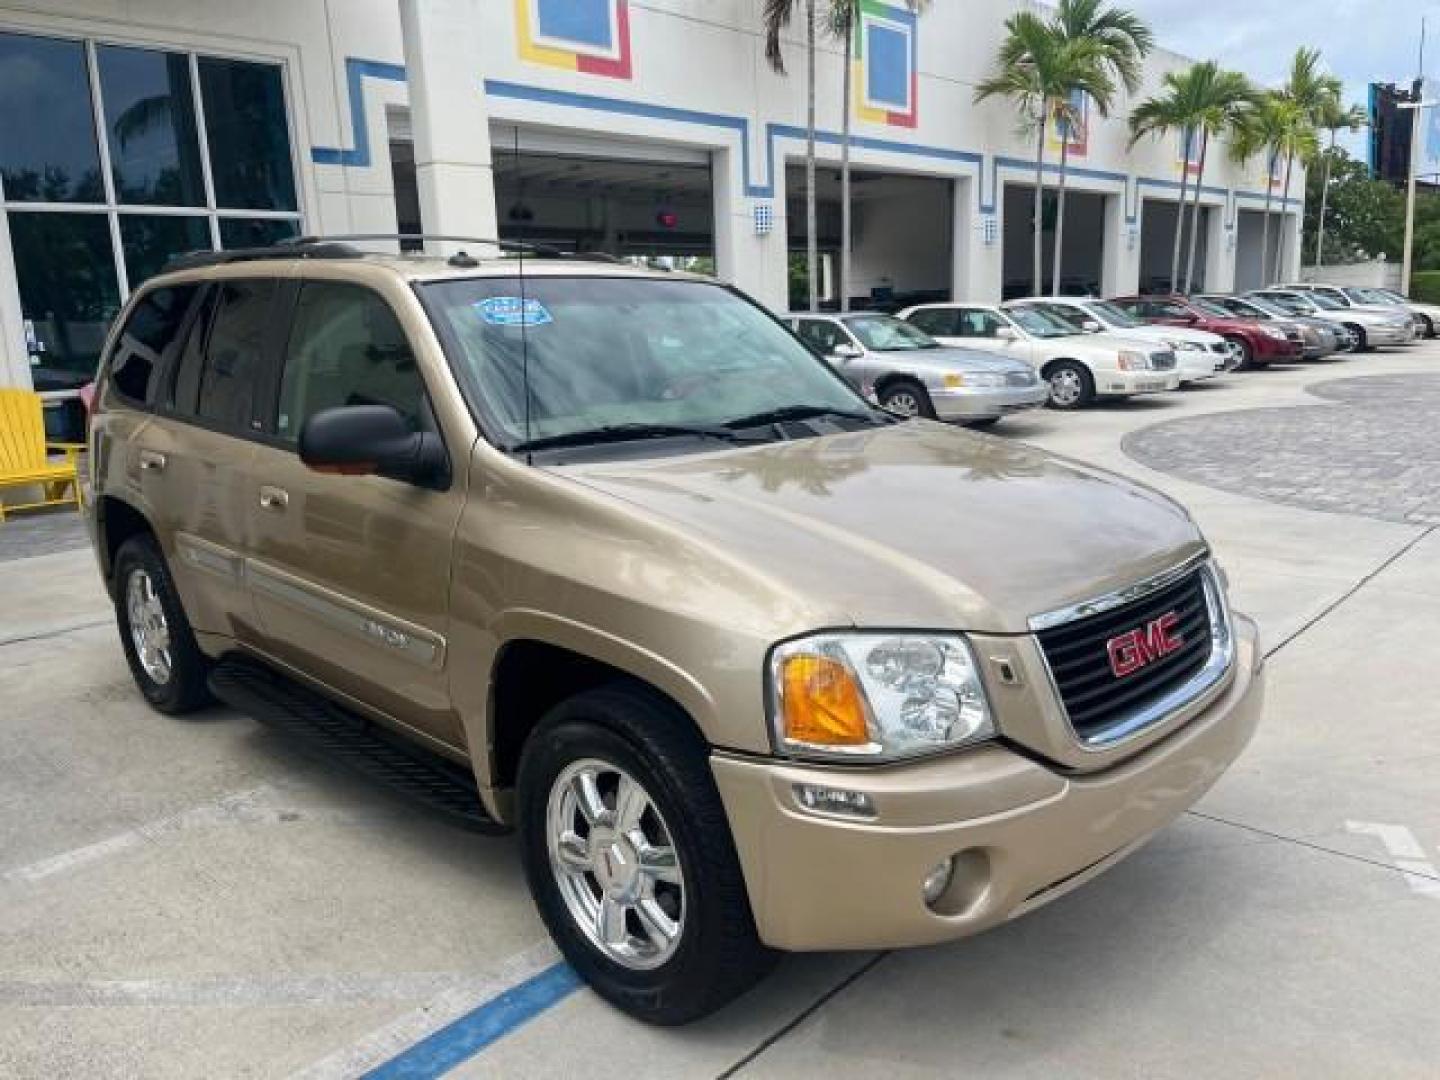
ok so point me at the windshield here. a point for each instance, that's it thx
(1207, 307)
(885, 333)
(1259, 306)
(603, 352)
(1371, 296)
(1112, 314)
(1041, 323)
(1293, 305)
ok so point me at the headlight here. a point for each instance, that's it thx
(1133, 361)
(1184, 346)
(1270, 331)
(974, 380)
(876, 696)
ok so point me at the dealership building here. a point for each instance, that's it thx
(136, 129)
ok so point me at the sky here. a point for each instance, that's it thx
(1362, 41)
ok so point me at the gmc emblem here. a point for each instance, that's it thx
(1134, 649)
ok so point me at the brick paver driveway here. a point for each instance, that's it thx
(1371, 447)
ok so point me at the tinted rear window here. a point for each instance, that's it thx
(149, 334)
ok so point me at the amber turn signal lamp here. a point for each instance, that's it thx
(823, 705)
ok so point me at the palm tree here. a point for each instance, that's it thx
(1039, 70)
(775, 18)
(1333, 118)
(1167, 112)
(1122, 40)
(1307, 92)
(1222, 101)
(842, 19)
(1264, 131)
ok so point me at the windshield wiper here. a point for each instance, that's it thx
(799, 412)
(611, 433)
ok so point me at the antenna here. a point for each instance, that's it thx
(524, 312)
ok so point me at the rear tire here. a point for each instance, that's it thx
(906, 397)
(159, 645)
(584, 859)
(1071, 385)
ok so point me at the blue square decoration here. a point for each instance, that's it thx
(583, 22)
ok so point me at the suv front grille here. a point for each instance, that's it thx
(1079, 654)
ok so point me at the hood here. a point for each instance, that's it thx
(1160, 335)
(914, 525)
(1371, 316)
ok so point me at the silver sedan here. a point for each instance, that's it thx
(906, 371)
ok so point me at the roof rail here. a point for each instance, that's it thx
(340, 246)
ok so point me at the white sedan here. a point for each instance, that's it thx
(1199, 354)
(1078, 366)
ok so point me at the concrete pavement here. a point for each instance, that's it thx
(200, 899)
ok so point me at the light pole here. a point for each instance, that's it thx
(1415, 107)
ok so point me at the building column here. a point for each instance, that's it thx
(1220, 245)
(962, 237)
(444, 41)
(1120, 263)
(14, 350)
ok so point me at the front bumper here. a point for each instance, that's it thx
(1390, 335)
(986, 403)
(1136, 382)
(1197, 365)
(1267, 349)
(1021, 833)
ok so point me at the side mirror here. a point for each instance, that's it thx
(1006, 333)
(364, 440)
(846, 351)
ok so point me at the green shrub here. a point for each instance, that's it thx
(1425, 286)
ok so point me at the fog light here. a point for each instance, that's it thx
(828, 800)
(937, 881)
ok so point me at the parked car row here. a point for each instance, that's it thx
(976, 363)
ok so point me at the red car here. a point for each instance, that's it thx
(1268, 342)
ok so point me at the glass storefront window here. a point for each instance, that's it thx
(68, 291)
(150, 125)
(54, 158)
(149, 240)
(248, 134)
(255, 232)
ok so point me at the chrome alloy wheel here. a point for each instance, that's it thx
(615, 862)
(1066, 387)
(149, 629)
(903, 402)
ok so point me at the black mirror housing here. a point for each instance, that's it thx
(364, 440)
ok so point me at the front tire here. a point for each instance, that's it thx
(1362, 340)
(160, 647)
(1071, 385)
(629, 856)
(1247, 354)
(905, 397)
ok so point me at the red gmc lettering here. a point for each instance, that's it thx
(1132, 650)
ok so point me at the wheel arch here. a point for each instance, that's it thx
(536, 668)
(116, 521)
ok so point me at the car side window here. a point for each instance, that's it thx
(938, 322)
(149, 334)
(820, 335)
(346, 348)
(235, 353)
(1137, 308)
(975, 323)
(1163, 309)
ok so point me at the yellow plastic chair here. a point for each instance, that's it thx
(25, 455)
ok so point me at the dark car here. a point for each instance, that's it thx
(1259, 342)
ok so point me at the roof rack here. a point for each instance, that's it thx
(340, 246)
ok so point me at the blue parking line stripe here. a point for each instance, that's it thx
(462, 1039)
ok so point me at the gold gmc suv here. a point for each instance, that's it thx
(607, 556)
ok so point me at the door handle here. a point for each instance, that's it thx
(273, 498)
(150, 461)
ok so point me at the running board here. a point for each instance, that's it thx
(336, 734)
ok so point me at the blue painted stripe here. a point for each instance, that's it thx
(358, 70)
(437, 1054)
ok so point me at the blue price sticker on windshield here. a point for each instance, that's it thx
(513, 311)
